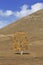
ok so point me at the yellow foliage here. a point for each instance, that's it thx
(20, 41)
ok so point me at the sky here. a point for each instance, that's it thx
(12, 10)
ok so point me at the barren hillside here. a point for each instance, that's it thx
(32, 24)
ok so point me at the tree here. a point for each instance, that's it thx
(20, 41)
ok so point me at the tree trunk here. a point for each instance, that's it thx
(21, 52)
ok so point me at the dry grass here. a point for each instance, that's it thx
(22, 60)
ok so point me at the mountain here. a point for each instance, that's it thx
(32, 25)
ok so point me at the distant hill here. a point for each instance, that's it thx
(32, 24)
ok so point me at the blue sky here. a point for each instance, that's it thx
(12, 10)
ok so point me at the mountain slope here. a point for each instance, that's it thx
(32, 24)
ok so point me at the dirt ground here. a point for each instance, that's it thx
(22, 60)
(34, 58)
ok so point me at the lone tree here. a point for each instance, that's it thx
(20, 42)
